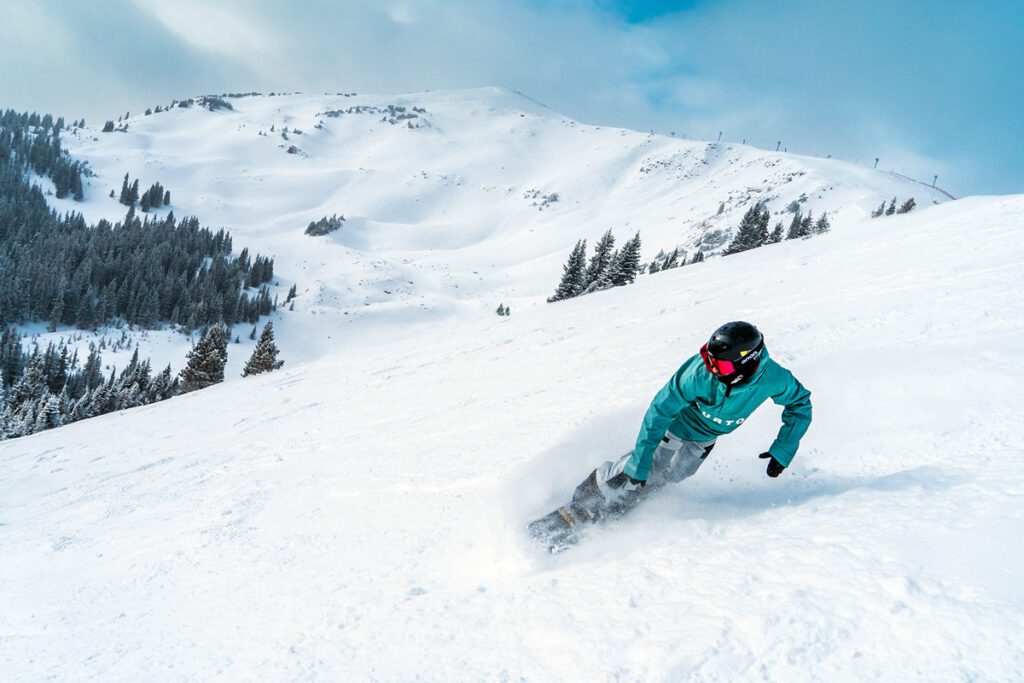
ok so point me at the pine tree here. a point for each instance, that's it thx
(264, 356)
(794, 227)
(752, 231)
(776, 235)
(573, 274)
(822, 225)
(125, 193)
(605, 281)
(698, 257)
(672, 260)
(601, 259)
(626, 264)
(907, 206)
(162, 387)
(879, 211)
(501, 309)
(206, 360)
(31, 387)
(892, 207)
(49, 414)
(57, 310)
(806, 225)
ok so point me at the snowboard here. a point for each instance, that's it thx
(557, 531)
(563, 528)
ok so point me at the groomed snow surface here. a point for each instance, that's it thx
(360, 516)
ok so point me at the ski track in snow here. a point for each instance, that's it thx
(360, 516)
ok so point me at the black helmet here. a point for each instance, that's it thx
(733, 353)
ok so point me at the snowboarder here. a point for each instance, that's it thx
(711, 394)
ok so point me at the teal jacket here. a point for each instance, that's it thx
(696, 406)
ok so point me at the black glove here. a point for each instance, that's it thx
(621, 479)
(774, 466)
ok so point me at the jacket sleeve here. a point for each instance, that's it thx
(796, 418)
(673, 397)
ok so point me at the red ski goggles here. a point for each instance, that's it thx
(716, 366)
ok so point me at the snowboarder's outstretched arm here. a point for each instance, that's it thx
(672, 398)
(796, 418)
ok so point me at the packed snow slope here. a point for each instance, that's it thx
(361, 517)
(455, 201)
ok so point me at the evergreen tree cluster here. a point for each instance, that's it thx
(260, 270)
(325, 225)
(61, 270)
(213, 102)
(31, 142)
(674, 259)
(905, 207)
(46, 389)
(752, 231)
(753, 228)
(155, 197)
(608, 267)
(51, 388)
(504, 310)
(145, 272)
(805, 226)
(129, 193)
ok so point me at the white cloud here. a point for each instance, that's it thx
(856, 82)
(219, 29)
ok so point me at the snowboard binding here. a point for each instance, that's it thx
(561, 529)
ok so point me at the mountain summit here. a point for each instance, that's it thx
(452, 200)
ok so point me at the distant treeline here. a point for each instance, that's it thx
(145, 272)
(141, 271)
(48, 388)
(32, 142)
(608, 267)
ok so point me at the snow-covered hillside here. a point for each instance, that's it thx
(360, 517)
(450, 201)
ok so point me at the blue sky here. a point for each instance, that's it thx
(930, 88)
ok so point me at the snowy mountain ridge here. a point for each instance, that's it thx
(455, 201)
